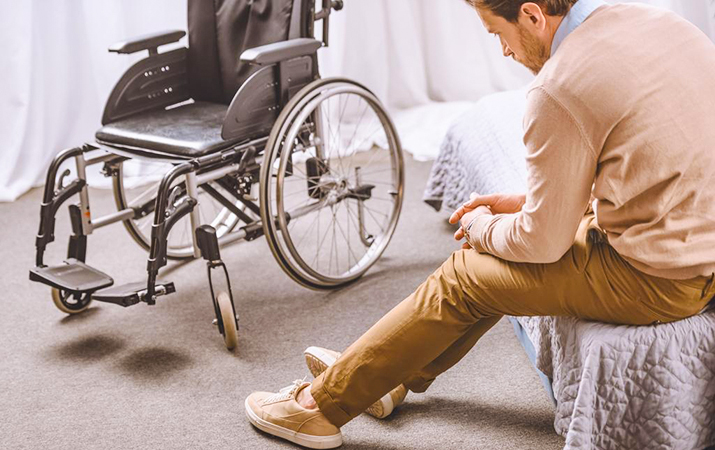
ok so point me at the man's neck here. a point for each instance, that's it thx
(553, 23)
(575, 16)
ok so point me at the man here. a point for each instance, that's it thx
(621, 110)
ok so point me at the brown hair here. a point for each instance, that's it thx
(509, 9)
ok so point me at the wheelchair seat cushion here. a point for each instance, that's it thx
(190, 131)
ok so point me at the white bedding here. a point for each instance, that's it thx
(616, 387)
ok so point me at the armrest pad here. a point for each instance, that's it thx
(280, 51)
(147, 41)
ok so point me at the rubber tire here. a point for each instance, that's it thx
(57, 300)
(265, 199)
(228, 318)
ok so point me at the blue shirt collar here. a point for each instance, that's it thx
(575, 17)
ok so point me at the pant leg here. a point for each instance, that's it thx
(590, 281)
(420, 381)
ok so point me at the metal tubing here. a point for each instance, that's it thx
(118, 216)
(52, 199)
(247, 203)
(46, 233)
(307, 209)
(326, 24)
(232, 237)
(84, 195)
(215, 174)
(157, 251)
(164, 188)
(364, 237)
(105, 158)
(320, 134)
(49, 192)
(192, 189)
(226, 203)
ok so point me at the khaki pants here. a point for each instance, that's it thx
(432, 329)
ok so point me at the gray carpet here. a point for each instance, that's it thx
(159, 377)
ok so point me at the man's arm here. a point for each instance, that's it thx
(561, 166)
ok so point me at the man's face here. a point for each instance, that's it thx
(518, 40)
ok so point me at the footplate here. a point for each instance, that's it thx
(73, 276)
(131, 293)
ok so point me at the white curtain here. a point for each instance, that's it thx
(426, 59)
(57, 75)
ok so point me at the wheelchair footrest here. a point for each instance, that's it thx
(131, 293)
(74, 276)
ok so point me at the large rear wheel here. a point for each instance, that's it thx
(331, 183)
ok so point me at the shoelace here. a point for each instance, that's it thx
(285, 393)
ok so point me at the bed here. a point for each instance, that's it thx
(613, 387)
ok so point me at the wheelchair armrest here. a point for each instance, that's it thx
(280, 51)
(147, 42)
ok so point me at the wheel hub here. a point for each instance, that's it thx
(334, 188)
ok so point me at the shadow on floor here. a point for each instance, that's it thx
(88, 349)
(154, 364)
(472, 414)
(347, 445)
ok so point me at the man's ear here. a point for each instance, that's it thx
(534, 15)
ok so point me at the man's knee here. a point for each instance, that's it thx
(450, 286)
(448, 278)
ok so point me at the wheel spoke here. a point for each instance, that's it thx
(352, 138)
(329, 249)
(307, 230)
(377, 222)
(376, 171)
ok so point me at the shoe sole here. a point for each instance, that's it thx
(305, 440)
(318, 362)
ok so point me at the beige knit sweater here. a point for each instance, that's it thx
(626, 105)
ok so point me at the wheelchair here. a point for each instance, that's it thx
(234, 137)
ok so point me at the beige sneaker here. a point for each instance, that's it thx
(318, 359)
(280, 414)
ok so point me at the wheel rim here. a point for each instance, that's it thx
(342, 253)
(130, 192)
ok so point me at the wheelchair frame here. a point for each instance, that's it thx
(239, 160)
(174, 202)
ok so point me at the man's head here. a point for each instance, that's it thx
(524, 28)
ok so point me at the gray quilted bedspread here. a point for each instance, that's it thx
(616, 387)
(482, 152)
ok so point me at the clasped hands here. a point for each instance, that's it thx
(479, 205)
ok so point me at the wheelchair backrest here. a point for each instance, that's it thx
(220, 30)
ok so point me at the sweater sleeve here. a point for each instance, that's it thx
(561, 167)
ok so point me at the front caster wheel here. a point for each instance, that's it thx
(70, 303)
(228, 320)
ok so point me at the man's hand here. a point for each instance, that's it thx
(498, 203)
(466, 219)
(465, 214)
(484, 204)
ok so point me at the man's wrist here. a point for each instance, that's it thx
(467, 231)
(473, 231)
